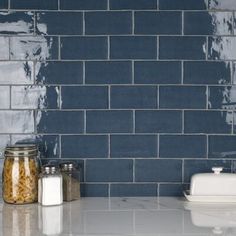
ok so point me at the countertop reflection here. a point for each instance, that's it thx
(120, 216)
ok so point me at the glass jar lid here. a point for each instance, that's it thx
(21, 150)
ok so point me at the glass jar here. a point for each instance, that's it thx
(71, 181)
(50, 186)
(20, 174)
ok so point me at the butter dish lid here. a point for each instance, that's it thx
(213, 184)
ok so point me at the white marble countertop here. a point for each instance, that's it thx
(119, 217)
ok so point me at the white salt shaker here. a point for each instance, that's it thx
(50, 190)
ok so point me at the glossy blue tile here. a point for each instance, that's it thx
(182, 97)
(151, 170)
(60, 122)
(110, 72)
(221, 146)
(133, 4)
(133, 97)
(208, 122)
(192, 167)
(133, 47)
(34, 97)
(59, 72)
(83, 4)
(157, 72)
(109, 170)
(16, 121)
(84, 97)
(84, 48)
(221, 97)
(222, 5)
(186, 47)
(84, 146)
(4, 4)
(17, 23)
(171, 190)
(4, 48)
(109, 22)
(182, 5)
(221, 48)
(33, 48)
(34, 4)
(162, 22)
(134, 146)
(59, 23)
(208, 23)
(109, 121)
(183, 146)
(200, 72)
(158, 121)
(4, 97)
(94, 190)
(133, 190)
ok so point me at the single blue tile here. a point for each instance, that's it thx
(5, 97)
(221, 97)
(109, 121)
(208, 23)
(158, 121)
(59, 72)
(84, 97)
(133, 4)
(221, 146)
(182, 47)
(84, 146)
(222, 5)
(14, 23)
(34, 4)
(162, 22)
(108, 72)
(192, 167)
(83, 4)
(94, 190)
(183, 146)
(133, 190)
(133, 97)
(221, 48)
(109, 22)
(203, 72)
(133, 47)
(4, 4)
(59, 23)
(38, 48)
(182, 97)
(134, 146)
(34, 97)
(151, 170)
(109, 170)
(64, 122)
(171, 190)
(157, 72)
(84, 48)
(207, 122)
(182, 5)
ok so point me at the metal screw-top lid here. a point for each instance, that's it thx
(67, 166)
(49, 169)
(21, 150)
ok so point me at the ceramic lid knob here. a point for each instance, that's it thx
(217, 170)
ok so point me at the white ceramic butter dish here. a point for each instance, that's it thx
(212, 187)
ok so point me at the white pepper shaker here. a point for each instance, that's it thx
(50, 186)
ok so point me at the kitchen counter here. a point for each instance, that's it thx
(120, 216)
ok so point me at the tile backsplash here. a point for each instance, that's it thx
(140, 93)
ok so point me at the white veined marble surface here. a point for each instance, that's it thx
(120, 217)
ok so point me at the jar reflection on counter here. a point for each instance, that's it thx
(71, 181)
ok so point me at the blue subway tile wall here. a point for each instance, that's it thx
(140, 93)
